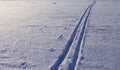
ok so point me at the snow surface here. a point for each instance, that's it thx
(102, 43)
(34, 33)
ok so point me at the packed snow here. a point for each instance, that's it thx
(59, 35)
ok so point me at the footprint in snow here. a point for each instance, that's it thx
(66, 28)
(23, 65)
(52, 50)
(60, 37)
(82, 58)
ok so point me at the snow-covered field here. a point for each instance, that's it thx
(59, 34)
(102, 44)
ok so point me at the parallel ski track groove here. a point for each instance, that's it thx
(70, 41)
(77, 49)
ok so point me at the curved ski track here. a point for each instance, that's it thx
(70, 55)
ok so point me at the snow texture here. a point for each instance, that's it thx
(59, 35)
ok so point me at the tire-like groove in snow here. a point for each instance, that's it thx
(61, 58)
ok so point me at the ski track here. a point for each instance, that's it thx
(61, 58)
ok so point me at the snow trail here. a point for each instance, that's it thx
(67, 60)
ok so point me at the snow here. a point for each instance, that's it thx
(34, 33)
(102, 43)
